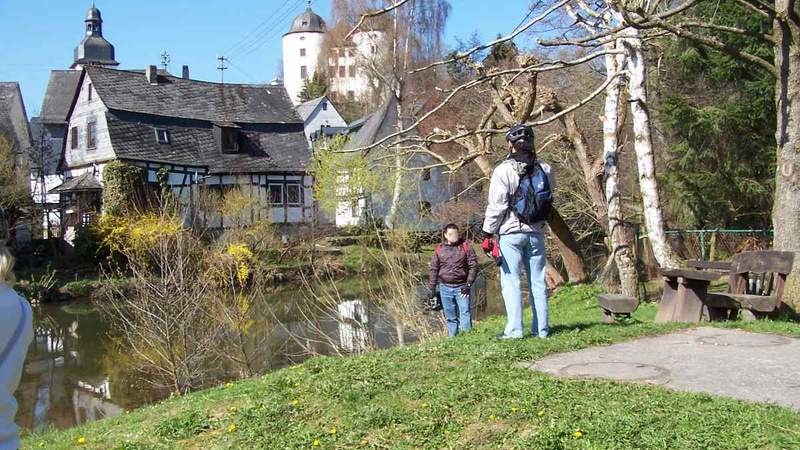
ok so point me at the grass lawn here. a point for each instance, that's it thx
(452, 393)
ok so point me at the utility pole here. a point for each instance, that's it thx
(222, 67)
(165, 60)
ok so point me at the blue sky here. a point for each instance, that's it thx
(40, 35)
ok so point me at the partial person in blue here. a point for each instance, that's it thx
(16, 333)
(520, 202)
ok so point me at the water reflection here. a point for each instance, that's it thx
(75, 374)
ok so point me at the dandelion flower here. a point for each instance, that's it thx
(577, 434)
(492, 417)
(294, 402)
(364, 442)
(231, 428)
(81, 440)
(513, 409)
(541, 413)
(315, 443)
(228, 385)
(424, 405)
(332, 430)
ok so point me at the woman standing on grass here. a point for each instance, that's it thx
(454, 267)
(16, 333)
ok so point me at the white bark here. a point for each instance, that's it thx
(643, 145)
(620, 247)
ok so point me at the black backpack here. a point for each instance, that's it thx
(533, 200)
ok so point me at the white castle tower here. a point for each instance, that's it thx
(302, 46)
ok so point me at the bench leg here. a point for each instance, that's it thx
(608, 317)
(716, 314)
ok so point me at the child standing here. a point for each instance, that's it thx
(454, 267)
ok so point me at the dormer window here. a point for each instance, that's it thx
(227, 137)
(162, 135)
(324, 106)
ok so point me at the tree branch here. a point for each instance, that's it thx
(364, 16)
(543, 67)
(496, 41)
(709, 41)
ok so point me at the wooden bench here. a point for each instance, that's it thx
(615, 305)
(755, 286)
(684, 294)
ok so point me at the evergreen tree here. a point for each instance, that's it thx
(314, 87)
(720, 115)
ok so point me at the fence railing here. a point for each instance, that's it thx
(714, 244)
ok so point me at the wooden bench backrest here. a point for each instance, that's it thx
(774, 266)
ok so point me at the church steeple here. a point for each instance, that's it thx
(94, 22)
(94, 49)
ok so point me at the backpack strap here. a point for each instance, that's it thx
(464, 246)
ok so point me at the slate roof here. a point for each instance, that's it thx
(58, 97)
(127, 90)
(305, 109)
(13, 118)
(378, 125)
(263, 148)
(85, 182)
(307, 22)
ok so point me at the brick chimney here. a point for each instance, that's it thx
(152, 74)
(185, 74)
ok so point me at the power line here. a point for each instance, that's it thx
(242, 71)
(265, 27)
(255, 30)
(268, 34)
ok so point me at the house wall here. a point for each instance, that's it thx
(85, 111)
(322, 117)
(368, 45)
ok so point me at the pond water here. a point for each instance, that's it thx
(73, 374)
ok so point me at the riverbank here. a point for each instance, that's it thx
(460, 393)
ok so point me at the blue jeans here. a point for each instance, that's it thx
(524, 250)
(452, 299)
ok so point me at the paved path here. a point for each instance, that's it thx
(732, 363)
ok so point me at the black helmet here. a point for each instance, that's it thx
(519, 132)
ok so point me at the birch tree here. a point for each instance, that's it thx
(783, 65)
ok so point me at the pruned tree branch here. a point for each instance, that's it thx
(365, 16)
(506, 38)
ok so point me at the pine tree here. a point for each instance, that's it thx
(313, 88)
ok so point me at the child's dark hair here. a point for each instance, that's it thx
(450, 226)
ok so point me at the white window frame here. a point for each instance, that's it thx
(165, 132)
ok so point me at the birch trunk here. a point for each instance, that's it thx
(643, 145)
(620, 246)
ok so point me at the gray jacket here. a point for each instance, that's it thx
(499, 219)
